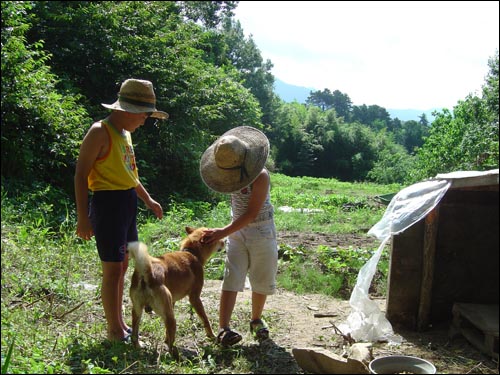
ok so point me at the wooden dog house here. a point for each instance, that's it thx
(449, 258)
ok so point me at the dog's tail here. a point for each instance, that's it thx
(139, 252)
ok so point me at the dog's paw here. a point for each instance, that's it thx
(138, 344)
(175, 353)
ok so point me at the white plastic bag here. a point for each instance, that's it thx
(366, 322)
(409, 206)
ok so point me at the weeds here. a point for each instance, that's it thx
(52, 318)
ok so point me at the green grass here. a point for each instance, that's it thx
(339, 207)
(52, 319)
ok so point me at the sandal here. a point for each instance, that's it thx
(226, 337)
(127, 339)
(259, 329)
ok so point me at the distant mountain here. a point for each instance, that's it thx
(412, 114)
(289, 93)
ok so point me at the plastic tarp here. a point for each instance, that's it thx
(366, 322)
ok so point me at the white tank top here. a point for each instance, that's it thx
(239, 205)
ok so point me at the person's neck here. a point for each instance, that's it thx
(115, 121)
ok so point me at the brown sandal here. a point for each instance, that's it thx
(226, 337)
(259, 330)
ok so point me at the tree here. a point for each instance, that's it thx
(466, 139)
(392, 164)
(326, 100)
(342, 104)
(374, 116)
(243, 54)
(490, 90)
(41, 125)
(413, 135)
(286, 136)
(422, 119)
(322, 99)
(209, 13)
(94, 46)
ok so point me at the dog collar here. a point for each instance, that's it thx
(189, 250)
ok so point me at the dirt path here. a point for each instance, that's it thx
(293, 323)
(313, 240)
(296, 322)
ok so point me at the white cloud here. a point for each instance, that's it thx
(406, 54)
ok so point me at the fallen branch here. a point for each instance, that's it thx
(473, 368)
(326, 315)
(70, 311)
(49, 295)
(347, 338)
(126, 368)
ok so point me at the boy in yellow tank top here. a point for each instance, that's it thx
(107, 167)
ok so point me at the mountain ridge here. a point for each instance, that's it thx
(290, 93)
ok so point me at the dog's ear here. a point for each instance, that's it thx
(189, 230)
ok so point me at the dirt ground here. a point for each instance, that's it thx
(301, 326)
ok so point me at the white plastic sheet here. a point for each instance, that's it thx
(409, 206)
(366, 322)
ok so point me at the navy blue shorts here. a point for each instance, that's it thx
(113, 214)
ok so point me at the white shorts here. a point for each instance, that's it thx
(252, 250)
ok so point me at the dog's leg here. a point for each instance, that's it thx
(163, 305)
(137, 309)
(195, 300)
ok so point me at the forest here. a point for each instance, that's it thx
(61, 60)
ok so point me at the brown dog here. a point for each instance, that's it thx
(158, 282)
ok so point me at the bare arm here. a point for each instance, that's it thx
(94, 144)
(260, 188)
(148, 201)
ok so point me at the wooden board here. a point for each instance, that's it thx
(478, 324)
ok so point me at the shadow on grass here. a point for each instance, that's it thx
(117, 357)
(113, 357)
(264, 358)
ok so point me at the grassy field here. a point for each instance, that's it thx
(52, 319)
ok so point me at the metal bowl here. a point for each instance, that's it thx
(396, 364)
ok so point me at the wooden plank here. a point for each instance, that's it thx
(405, 276)
(478, 324)
(428, 258)
(484, 317)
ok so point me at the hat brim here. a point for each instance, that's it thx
(230, 181)
(132, 108)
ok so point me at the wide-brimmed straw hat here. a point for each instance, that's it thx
(137, 96)
(234, 160)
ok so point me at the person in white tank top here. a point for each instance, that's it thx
(234, 164)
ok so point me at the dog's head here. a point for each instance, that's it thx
(193, 241)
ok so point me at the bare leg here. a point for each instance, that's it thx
(258, 302)
(258, 329)
(112, 275)
(227, 302)
(124, 326)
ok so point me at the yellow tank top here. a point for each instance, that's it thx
(117, 169)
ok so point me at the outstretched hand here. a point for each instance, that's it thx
(211, 235)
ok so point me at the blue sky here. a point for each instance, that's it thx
(400, 55)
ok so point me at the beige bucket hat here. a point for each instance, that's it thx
(137, 96)
(234, 160)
